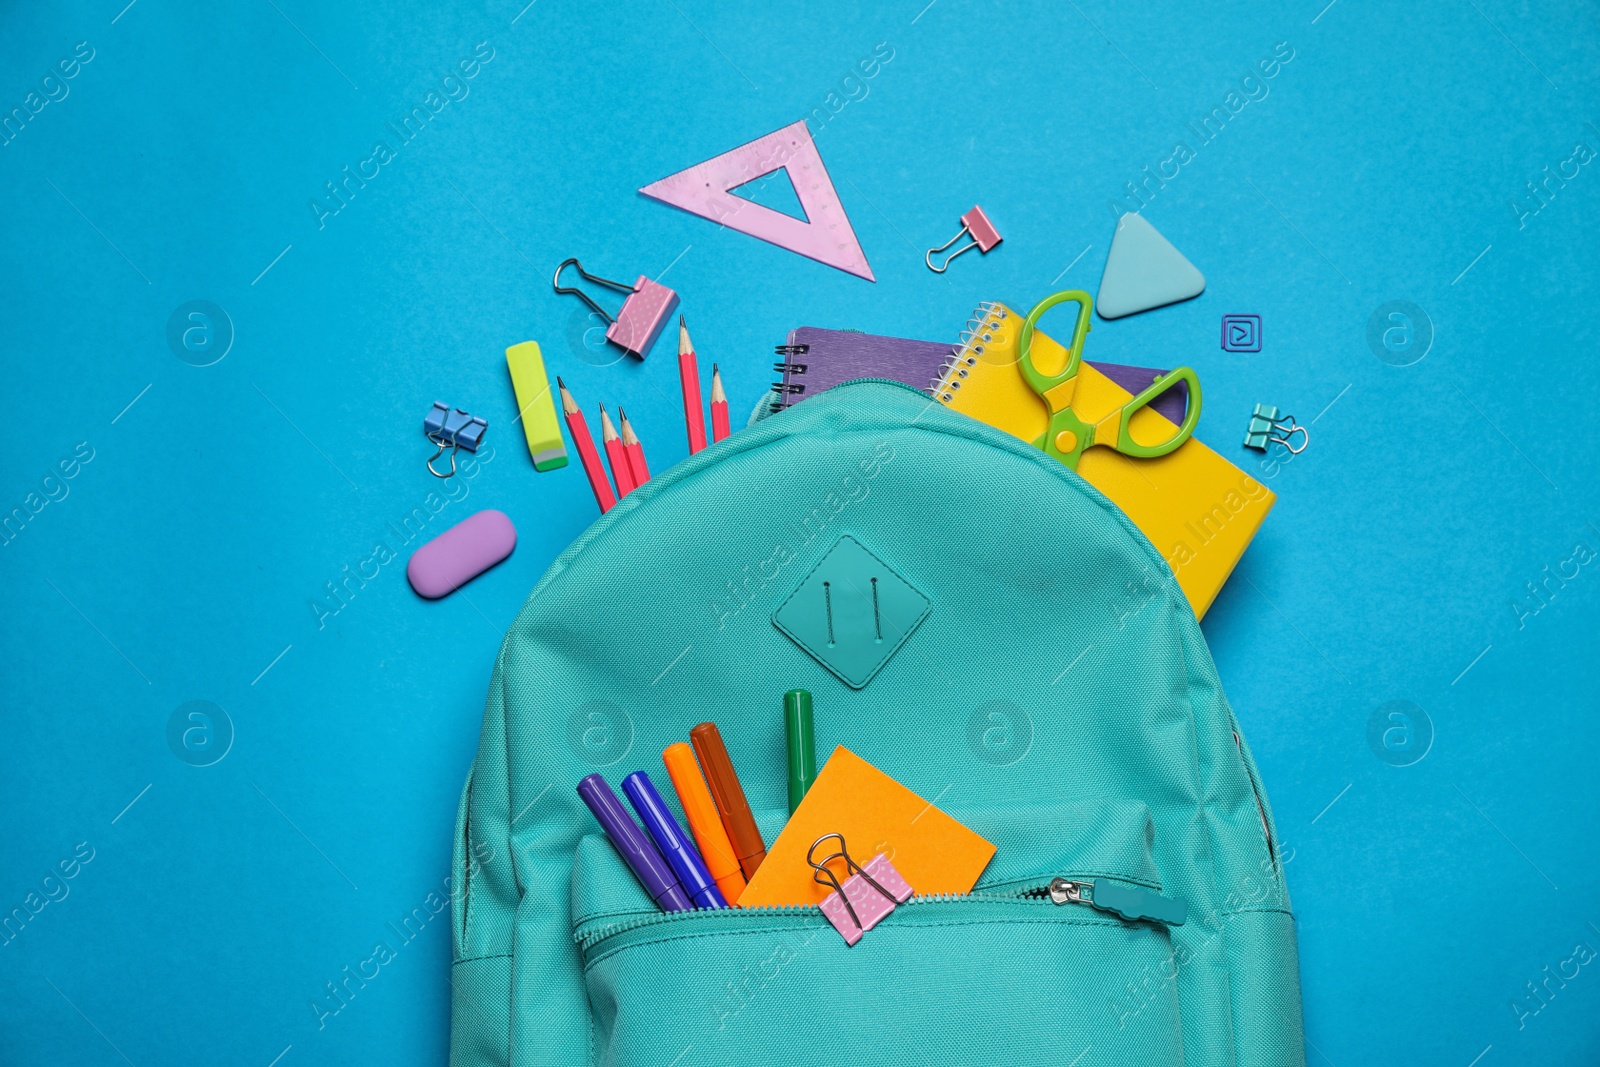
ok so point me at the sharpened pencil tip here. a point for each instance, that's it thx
(569, 406)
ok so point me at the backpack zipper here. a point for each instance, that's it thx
(1126, 902)
(1132, 904)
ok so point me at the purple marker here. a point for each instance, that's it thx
(634, 847)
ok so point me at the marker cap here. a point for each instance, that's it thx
(729, 795)
(704, 822)
(632, 845)
(800, 726)
(680, 854)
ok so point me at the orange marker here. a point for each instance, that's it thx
(719, 406)
(586, 451)
(704, 822)
(732, 806)
(689, 378)
(635, 449)
(621, 469)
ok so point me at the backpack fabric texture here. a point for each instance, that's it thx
(1056, 696)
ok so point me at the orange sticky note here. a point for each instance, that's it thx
(875, 813)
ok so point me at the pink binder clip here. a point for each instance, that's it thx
(867, 895)
(646, 310)
(974, 224)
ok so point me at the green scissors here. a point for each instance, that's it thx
(1068, 435)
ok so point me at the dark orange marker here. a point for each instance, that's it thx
(729, 795)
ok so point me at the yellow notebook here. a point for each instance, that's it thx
(1199, 510)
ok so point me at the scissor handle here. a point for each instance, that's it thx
(1037, 381)
(1125, 443)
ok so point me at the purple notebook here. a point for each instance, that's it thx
(815, 360)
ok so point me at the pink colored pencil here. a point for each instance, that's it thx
(719, 406)
(689, 377)
(635, 450)
(621, 468)
(584, 442)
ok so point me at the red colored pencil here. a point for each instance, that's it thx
(719, 406)
(635, 450)
(621, 469)
(689, 377)
(582, 440)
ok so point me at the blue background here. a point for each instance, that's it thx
(183, 560)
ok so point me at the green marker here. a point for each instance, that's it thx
(802, 730)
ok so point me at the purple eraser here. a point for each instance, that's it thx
(461, 553)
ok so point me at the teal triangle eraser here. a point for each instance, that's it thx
(1144, 271)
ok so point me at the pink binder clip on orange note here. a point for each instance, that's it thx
(974, 224)
(646, 310)
(865, 897)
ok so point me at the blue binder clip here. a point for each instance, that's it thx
(454, 429)
(1268, 427)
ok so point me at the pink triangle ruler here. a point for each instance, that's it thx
(825, 236)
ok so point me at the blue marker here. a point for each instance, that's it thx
(673, 843)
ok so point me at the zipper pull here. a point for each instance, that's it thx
(1134, 905)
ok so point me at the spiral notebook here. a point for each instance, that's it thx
(815, 360)
(1198, 510)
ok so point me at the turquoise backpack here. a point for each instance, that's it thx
(1056, 696)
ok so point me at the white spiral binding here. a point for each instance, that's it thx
(964, 354)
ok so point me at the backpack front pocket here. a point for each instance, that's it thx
(1002, 975)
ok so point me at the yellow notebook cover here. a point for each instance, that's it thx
(1197, 509)
(875, 813)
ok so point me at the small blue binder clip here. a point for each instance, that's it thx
(1268, 427)
(454, 429)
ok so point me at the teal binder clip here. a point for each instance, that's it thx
(1268, 427)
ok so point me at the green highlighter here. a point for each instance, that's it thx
(801, 727)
